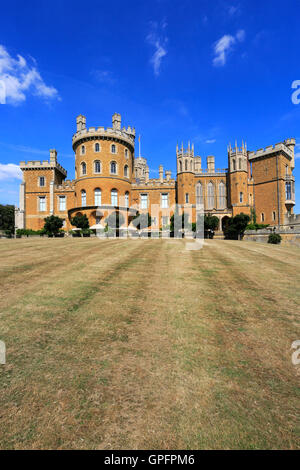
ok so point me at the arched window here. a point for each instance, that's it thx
(191, 165)
(82, 150)
(199, 194)
(126, 153)
(210, 195)
(186, 164)
(233, 165)
(113, 149)
(114, 197)
(126, 171)
(240, 163)
(97, 166)
(97, 194)
(187, 198)
(180, 165)
(113, 168)
(127, 199)
(83, 168)
(288, 191)
(97, 147)
(262, 217)
(222, 195)
(241, 197)
(83, 198)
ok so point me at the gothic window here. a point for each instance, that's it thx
(127, 199)
(83, 168)
(113, 168)
(199, 194)
(114, 197)
(83, 198)
(222, 195)
(97, 166)
(97, 194)
(210, 195)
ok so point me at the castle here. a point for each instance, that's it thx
(108, 177)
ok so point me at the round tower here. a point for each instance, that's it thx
(104, 164)
(185, 175)
(238, 179)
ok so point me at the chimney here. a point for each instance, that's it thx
(161, 173)
(81, 122)
(116, 121)
(210, 164)
(168, 175)
(53, 156)
(147, 174)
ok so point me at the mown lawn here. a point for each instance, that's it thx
(141, 344)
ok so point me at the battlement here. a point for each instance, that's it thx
(208, 172)
(189, 152)
(115, 132)
(43, 165)
(67, 185)
(237, 151)
(280, 147)
(154, 183)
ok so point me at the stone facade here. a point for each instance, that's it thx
(108, 176)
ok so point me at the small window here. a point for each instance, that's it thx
(42, 203)
(62, 203)
(180, 165)
(241, 197)
(114, 197)
(113, 149)
(144, 201)
(97, 166)
(262, 217)
(83, 168)
(97, 147)
(233, 165)
(127, 199)
(186, 165)
(97, 193)
(274, 215)
(113, 168)
(165, 201)
(42, 181)
(240, 163)
(82, 150)
(83, 198)
(126, 171)
(126, 153)
(187, 198)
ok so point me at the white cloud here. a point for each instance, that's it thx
(10, 171)
(210, 141)
(159, 40)
(20, 79)
(223, 46)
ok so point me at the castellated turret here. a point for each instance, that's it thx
(185, 159)
(237, 158)
(238, 166)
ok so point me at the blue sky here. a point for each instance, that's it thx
(205, 71)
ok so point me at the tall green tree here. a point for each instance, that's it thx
(7, 219)
(236, 227)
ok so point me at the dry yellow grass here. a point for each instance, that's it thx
(125, 344)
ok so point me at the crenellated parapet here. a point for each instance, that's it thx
(115, 132)
(66, 185)
(287, 146)
(43, 165)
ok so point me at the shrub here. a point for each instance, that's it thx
(53, 224)
(274, 238)
(236, 227)
(7, 219)
(255, 226)
(80, 221)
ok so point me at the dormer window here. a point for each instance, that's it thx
(113, 149)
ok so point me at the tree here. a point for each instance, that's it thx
(115, 220)
(80, 221)
(274, 238)
(52, 225)
(141, 220)
(236, 227)
(7, 219)
(211, 223)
